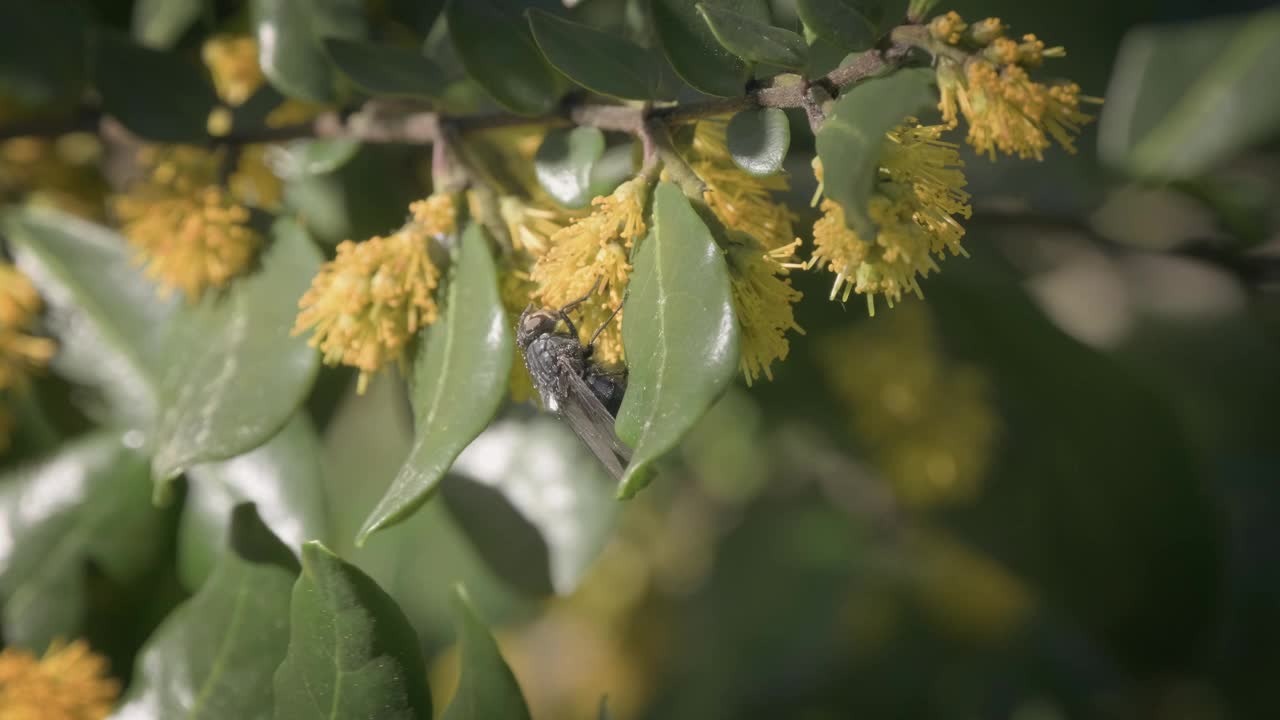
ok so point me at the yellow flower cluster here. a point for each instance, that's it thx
(366, 304)
(187, 230)
(595, 249)
(21, 353)
(917, 196)
(233, 63)
(69, 682)
(61, 173)
(762, 296)
(928, 424)
(1006, 110)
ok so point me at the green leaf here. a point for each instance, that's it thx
(159, 24)
(681, 335)
(418, 15)
(282, 480)
(44, 54)
(493, 42)
(852, 138)
(565, 162)
(533, 501)
(386, 69)
(157, 95)
(235, 375)
(352, 653)
(753, 40)
(290, 33)
(758, 140)
(486, 686)
(214, 656)
(88, 502)
(458, 381)
(107, 320)
(615, 166)
(312, 157)
(1185, 98)
(601, 62)
(840, 21)
(698, 58)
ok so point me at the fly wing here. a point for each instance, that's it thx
(589, 419)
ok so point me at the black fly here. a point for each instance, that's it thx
(577, 389)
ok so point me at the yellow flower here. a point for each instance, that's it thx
(741, 201)
(762, 300)
(948, 28)
(19, 300)
(530, 227)
(69, 683)
(517, 291)
(233, 62)
(928, 424)
(253, 182)
(365, 305)
(187, 230)
(63, 173)
(1006, 110)
(21, 354)
(913, 205)
(594, 249)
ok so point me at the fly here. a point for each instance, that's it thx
(577, 389)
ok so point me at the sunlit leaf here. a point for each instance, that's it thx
(565, 163)
(311, 157)
(841, 21)
(1185, 98)
(234, 373)
(282, 480)
(758, 140)
(492, 39)
(352, 652)
(486, 686)
(599, 61)
(290, 35)
(89, 501)
(105, 315)
(160, 24)
(214, 656)
(754, 40)
(681, 335)
(458, 379)
(853, 136)
(387, 69)
(693, 50)
(534, 501)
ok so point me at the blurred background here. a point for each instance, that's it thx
(1049, 490)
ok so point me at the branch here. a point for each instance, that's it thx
(376, 123)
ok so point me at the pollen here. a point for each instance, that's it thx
(917, 196)
(70, 682)
(366, 304)
(763, 301)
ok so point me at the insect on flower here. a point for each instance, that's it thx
(571, 385)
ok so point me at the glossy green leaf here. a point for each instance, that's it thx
(386, 69)
(352, 653)
(534, 502)
(282, 480)
(565, 162)
(458, 380)
(851, 140)
(1185, 98)
(617, 165)
(601, 62)
(492, 39)
(44, 54)
(88, 502)
(681, 335)
(486, 686)
(235, 374)
(693, 50)
(159, 24)
(214, 656)
(753, 40)
(290, 33)
(106, 317)
(840, 21)
(157, 95)
(311, 157)
(758, 140)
